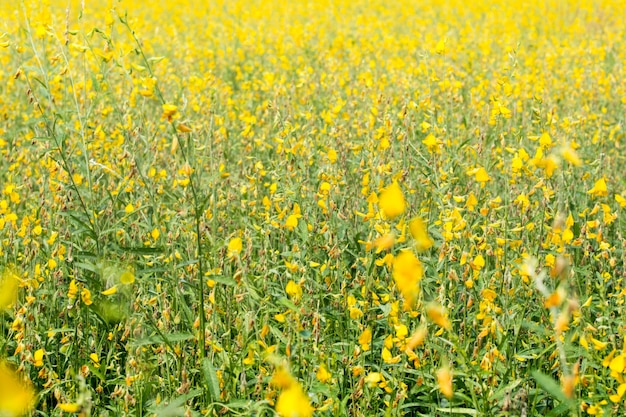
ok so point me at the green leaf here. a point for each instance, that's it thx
(238, 404)
(560, 410)
(550, 386)
(220, 279)
(61, 330)
(285, 302)
(153, 340)
(87, 266)
(186, 263)
(96, 372)
(175, 407)
(143, 250)
(466, 411)
(500, 393)
(211, 380)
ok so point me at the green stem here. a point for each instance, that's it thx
(193, 187)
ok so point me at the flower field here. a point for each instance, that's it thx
(312, 208)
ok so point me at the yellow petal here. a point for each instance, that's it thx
(69, 407)
(293, 290)
(323, 375)
(183, 128)
(235, 246)
(373, 378)
(481, 175)
(444, 381)
(437, 314)
(16, 396)
(127, 278)
(294, 402)
(110, 291)
(38, 358)
(365, 338)
(598, 345)
(384, 242)
(391, 201)
(9, 283)
(418, 338)
(419, 231)
(617, 364)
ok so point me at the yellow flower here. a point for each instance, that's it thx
(478, 263)
(437, 314)
(95, 359)
(373, 378)
(355, 313)
(598, 345)
(384, 242)
(567, 235)
(388, 357)
(618, 363)
(365, 339)
(323, 375)
(169, 110)
(482, 176)
(440, 47)
(418, 230)
(38, 358)
(85, 295)
(488, 294)
(621, 390)
(110, 291)
(556, 298)
(127, 278)
(562, 322)
(545, 141)
(569, 382)
(599, 188)
(407, 273)
(9, 283)
(332, 155)
(291, 222)
(570, 155)
(235, 245)
(471, 202)
(183, 128)
(418, 338)
(17, 397)
(431, 143)
(69, 407)
(73, 290)
(595, 410)
(293, 402)
(401, 331)
(444, 381)
(391, 201)
(293, 290)
(282, 378)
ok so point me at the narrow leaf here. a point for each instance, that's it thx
(211, 380)
(550, 386)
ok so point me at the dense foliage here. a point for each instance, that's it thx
(330, 208)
